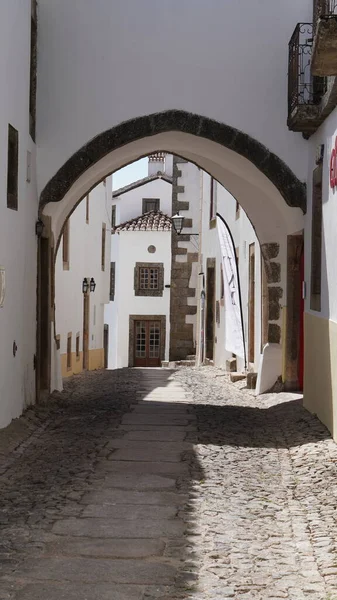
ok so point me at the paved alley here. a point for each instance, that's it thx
(151, 484)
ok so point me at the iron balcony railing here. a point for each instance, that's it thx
(303, 87)
(324, 9)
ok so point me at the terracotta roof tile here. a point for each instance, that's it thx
(152, 221)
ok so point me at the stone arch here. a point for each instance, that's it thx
(275, 198)
(291, 189)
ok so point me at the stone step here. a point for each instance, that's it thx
(251, 381)
(178, 363)
(185, 363)
(237, 376)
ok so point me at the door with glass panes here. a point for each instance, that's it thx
(147, 344)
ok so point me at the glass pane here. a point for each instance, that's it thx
(140, 339)
(144, 278)
(153, 279)
(154, 332)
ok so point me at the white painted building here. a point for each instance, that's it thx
(216, 199)
(82, 280)
(18, 212)
(139, 311)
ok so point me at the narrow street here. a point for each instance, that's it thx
(145, 484)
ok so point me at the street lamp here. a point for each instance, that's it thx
(92, 284)
(178, 223)
(85, 286)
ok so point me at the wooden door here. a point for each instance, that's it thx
(210, 310)
(86, 306)
(251, 305)
(301, 332)
(106, 345)
(147, 344)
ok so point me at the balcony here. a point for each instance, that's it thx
(324, 53)
(305, 91)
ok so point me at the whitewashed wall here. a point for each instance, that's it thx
(85, 243)
(243, 235)
(127, 248)
(17, 228)
(199, 56)
(130, 204)
(320, 366)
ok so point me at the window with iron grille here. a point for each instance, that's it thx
(149, 279)
(150, 204)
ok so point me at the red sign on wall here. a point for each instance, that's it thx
(333, 166)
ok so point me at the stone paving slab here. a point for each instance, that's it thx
(137, 482)
(141, 468)
(104, 548)
(158, 435)
(162, 426)
(114, 528)
(136, 419)
(79, 591)
(154, 445)
(147, 453)
(129, 512)
(99, 570)
(121, 497)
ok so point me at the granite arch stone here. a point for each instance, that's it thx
(290, 187)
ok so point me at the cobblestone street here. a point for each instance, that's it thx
(147, 484)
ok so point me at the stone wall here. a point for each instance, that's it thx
(182, 342)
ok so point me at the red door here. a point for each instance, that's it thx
(147, 344)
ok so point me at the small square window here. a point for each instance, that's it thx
(150, 204)
(149, 279)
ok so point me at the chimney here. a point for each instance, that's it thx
(157, 163)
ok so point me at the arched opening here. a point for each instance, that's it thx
(271, 195)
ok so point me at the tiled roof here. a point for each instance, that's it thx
(139, 183)
(151, 221)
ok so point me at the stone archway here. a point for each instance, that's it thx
(291, 189)
(275, 192)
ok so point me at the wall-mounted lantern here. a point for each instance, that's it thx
(85, 286)
(92, 284)
(178, 223)
(39, 226)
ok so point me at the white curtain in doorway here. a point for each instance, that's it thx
(234, 337)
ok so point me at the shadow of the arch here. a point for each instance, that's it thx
(292, 190)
